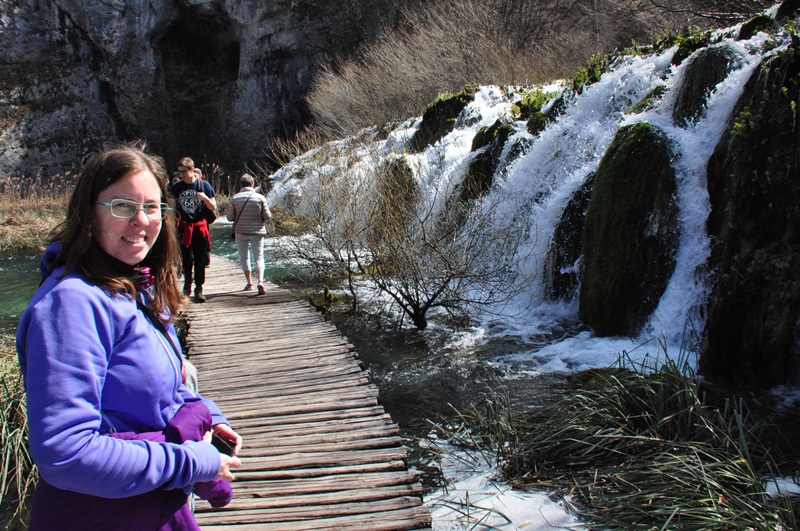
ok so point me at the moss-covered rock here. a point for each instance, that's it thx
(709, 67)
(760, 22)
(688, 45)
(561, 267)
(753, 323)
(531, 102)
(787, 9)
(590, 73)
(440, 117)
(537, 122)
(398, 192)
(480, 173)
(629, 241)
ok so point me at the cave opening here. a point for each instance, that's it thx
(200, 61)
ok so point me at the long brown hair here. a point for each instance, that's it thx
(80, 253)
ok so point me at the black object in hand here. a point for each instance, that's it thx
(224, 446)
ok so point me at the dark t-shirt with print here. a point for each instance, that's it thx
(188, 207)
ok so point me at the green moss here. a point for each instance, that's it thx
(760, 22)
(497, 134)
(743, 123)
(482, 138)
(537, 122)
(398, 193)
(440, 117)
(649, 100)
(687, 45)
(629, 241)
(531, 102)
(590, 73)
(466, 95)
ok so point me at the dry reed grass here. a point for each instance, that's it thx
(444, 45)
(31, 207)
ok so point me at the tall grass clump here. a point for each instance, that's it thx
(647, 446)
(31, 207)
(17, 472)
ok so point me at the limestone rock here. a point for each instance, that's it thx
(707, 69)
(212, 79)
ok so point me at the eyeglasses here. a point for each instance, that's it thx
(183, 170)
(122, 208)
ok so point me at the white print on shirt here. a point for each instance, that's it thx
(189, 201)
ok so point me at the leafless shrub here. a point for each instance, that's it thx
(711, 13)
(284, 150)
(365, 220)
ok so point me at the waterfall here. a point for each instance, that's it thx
(540, 181)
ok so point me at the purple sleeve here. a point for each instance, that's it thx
(153, 436)
(217, 417)
(64, 340)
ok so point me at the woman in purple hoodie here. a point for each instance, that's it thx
(99, 356)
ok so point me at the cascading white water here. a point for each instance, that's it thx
(540, 183)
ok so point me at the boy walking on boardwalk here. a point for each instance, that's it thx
(192, 198)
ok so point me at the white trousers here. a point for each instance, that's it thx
(250, 243)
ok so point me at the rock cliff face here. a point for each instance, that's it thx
(214, 79)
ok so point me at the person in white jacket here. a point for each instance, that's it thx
(248, 210)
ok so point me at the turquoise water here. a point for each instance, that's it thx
(19, 278)
(222, 245)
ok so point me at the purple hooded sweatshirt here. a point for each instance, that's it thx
(93, 364)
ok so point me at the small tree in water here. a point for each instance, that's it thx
(367, 220)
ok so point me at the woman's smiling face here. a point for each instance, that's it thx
(128, 240)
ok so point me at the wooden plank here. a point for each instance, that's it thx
(407, 520)
(319, 451)
(290, 508)
(271, 459)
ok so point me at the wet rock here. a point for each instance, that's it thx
(630, 240)
(753, 324)
(707, 69)
(439, 119)
(215, 78)
(562, 265)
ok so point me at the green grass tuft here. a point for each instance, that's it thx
(17, 472)
(645, 446)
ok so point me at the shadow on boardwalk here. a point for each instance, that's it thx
(319, 451)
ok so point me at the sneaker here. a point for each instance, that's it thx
(198, 295)
(248, 287)
(261, 289)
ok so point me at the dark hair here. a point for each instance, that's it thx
(247, 180)
(79, 252)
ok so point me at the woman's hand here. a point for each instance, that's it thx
(227, 433)
(225, 464)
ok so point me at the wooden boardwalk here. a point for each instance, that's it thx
(319, 451)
